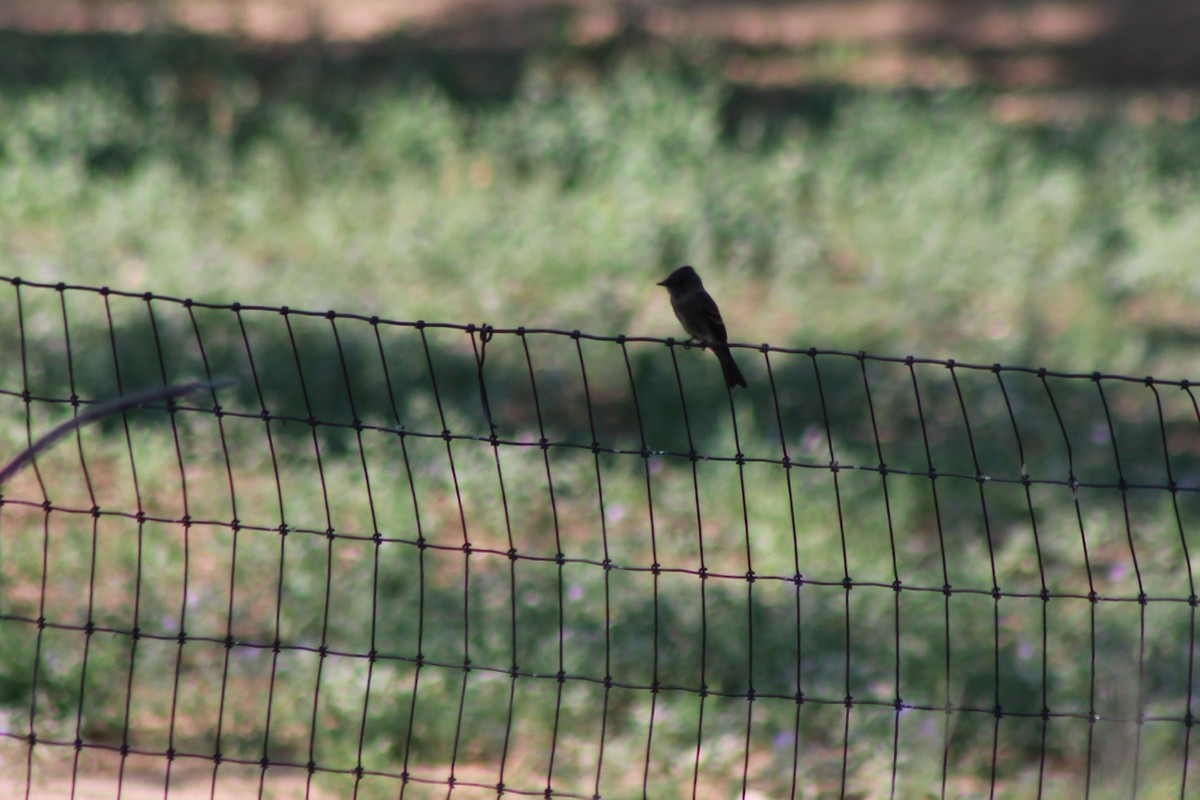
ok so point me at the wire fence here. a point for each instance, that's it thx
(411, 559)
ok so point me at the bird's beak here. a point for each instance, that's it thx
(663, 282)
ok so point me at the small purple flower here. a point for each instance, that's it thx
(813, 441)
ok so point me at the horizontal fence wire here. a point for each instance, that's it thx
(378, 558)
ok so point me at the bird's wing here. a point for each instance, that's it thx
(708, 307)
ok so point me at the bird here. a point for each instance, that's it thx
(697, 312)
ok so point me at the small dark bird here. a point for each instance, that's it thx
(698, 313)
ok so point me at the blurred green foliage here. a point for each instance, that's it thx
(898, 223)
(902, 223)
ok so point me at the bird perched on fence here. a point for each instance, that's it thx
(698, 313)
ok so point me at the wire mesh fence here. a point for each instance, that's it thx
(409, 559)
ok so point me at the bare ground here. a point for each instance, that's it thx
(1007, 43)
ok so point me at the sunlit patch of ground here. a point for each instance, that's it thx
(1051, 61)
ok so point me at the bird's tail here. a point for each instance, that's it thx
(733, 375)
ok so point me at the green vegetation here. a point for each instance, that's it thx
(893, 225)
(874, 227)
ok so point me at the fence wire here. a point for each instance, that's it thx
(414, 559)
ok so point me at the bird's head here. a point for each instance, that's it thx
(683, 278)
